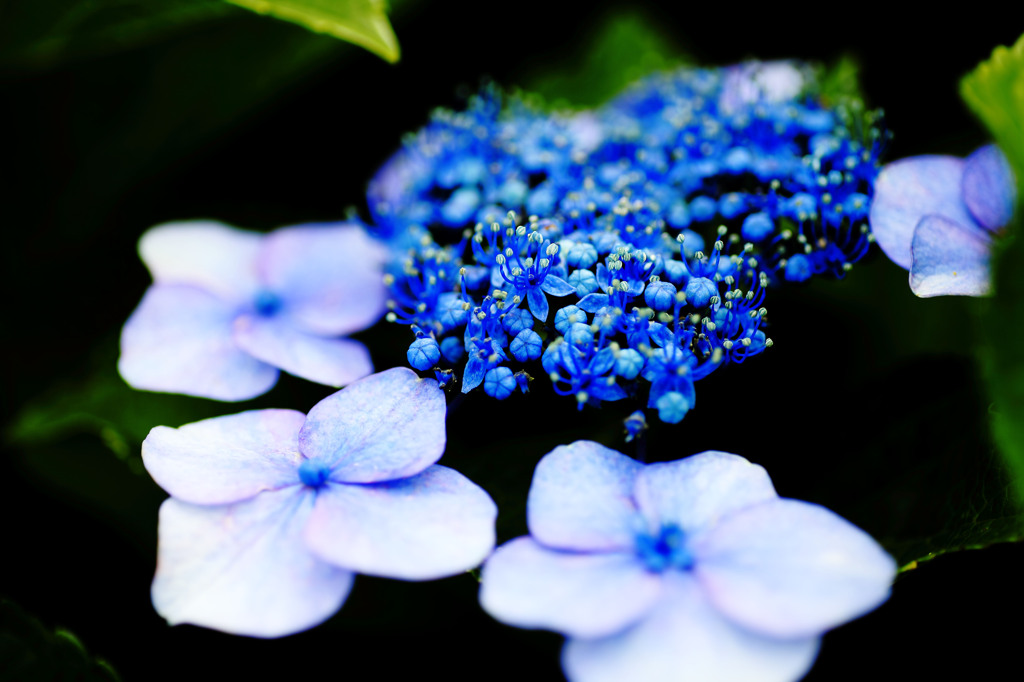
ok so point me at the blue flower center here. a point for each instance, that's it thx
(664, 550)
(267, 303)
(313, 473)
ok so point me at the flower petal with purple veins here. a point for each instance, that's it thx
(581, 499)
(581, 595)
(386, 426)
(329, 277)
(989, 189)
(226, 459)
(333, 362)
(791, 569)
(435, 524)
(909, 189)
(179, 340)
(244, 568)
(685, 638)
(205, 254)
(949, 259)
(696, 492)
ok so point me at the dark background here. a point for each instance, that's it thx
(869, 403)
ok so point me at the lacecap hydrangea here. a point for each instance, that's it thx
(626, 250)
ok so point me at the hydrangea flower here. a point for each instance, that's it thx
(936, 216)
(688, 570)
(656, 222)
(228, 308)
(272, 512)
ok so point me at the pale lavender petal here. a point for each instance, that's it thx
(989, 189)
(206, 254)
(179, 341)
(334, 362)
(949, 259)
(909, 189)
(386, 426)
(581, 498)
(244, 568)
(694, 493)
(226, 459)
(685, 638)
(788, 568)
(580, 595)
(329, 278)
(435, 524)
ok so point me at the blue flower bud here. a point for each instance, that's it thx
(672, 407)
(628, 363)
(798, 268)
(703, 209)
(423, 353)
(732, 204)
(452, 349)
(526, 346)
(756, 227)
(584, 281)
(582, 255)
(660, 295)
(515, 321)
(568, 316)
(580, 334)
(499, 383)
(460, 206)
(699, 291)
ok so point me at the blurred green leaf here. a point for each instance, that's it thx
(622, 49)
(841, 81)
(363, 22)
(995, 92)
(43, 33)
(30, 651)
(927, 479)
(101, 404)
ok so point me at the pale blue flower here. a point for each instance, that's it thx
(228, 308)
(689, 570)
(272, 512)
(936, 216)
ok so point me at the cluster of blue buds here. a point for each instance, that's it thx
(628, 249)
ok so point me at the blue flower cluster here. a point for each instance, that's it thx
(653, 226)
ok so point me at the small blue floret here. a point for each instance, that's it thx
(313, 472)
(267, 303)
(423, 353)
(665, 550)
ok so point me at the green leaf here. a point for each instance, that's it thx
(995, 92)
(362, 22)
(44, 33)
(101, 404)
(623, 48)
(29, 651)
(926, 479)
